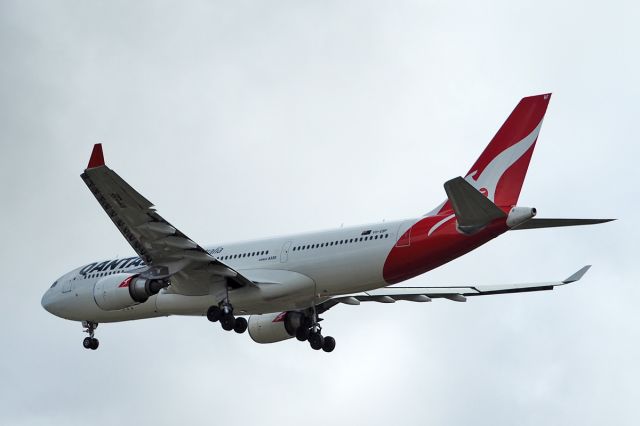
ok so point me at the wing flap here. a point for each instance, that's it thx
(453, 293)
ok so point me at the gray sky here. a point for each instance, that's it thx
(248, 119)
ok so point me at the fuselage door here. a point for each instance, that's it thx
(404, 234)
(284, 254)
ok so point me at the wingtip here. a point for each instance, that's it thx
(97, 158)
(578, 275)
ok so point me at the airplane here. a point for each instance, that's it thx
(284, 284)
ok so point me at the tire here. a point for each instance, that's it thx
(329, 344)
(302, 333)
(86, 343)
(316, 341)
(240, 325)
(227, 322)
(214, 313)
(94, 344)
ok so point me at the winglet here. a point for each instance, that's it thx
(97, 159)
(575, 277)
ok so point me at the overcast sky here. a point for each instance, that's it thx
(249, 119)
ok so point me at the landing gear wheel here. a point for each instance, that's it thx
(302, 333)
(87, 342)
(316, 341)
(214, 313)
(329, 344)
(227, 322)
(90, 343)
(240, 325)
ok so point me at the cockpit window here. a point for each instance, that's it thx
(54, 284)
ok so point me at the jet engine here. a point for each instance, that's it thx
(271, 328)
(122, 291)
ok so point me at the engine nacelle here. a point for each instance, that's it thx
(519, 215)
(122, 291)
(271, 328)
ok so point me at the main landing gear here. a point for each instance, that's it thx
(90, 342)
(310, 330)
(224, 314)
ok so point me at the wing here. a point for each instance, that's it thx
(456, 294)
(166, 250)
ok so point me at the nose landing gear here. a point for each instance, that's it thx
(90, 342)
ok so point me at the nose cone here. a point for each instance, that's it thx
(53, 302)
(46, 301)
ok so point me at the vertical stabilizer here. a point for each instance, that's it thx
(500, 170)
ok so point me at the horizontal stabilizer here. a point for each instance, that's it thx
(473, 210)
(555, 223)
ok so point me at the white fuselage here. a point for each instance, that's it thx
(317, 265)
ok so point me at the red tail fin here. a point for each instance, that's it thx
(500, 170)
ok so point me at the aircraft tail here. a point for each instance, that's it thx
(500, 170)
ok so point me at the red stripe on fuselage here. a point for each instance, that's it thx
(426, 252)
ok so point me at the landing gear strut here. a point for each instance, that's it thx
(90, 342)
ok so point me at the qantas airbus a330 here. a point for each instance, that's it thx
(283, 284)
